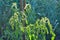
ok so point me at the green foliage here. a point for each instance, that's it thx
(31, 15)
(14, 23)
(45, 8)
(36, 31)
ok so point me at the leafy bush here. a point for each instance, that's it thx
(36, 31)
(19, 24)
(27, 23)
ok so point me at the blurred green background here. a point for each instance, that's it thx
(12, 20)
